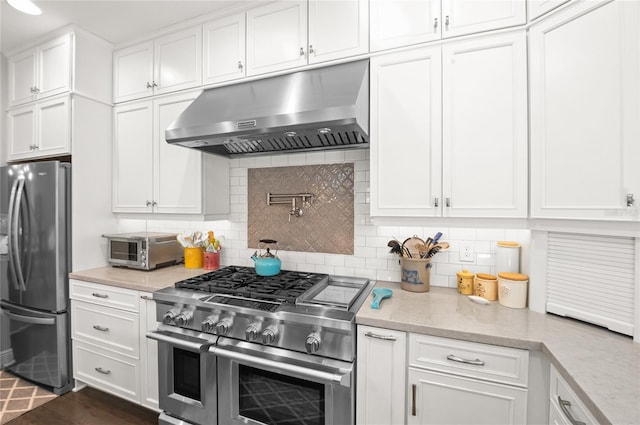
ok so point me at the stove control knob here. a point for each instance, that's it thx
(208, 324)
(183, 318)
(269, 335)
(312, 344)
(252, 333)
(168, 317)
(222, 327)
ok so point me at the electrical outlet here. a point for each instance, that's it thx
(466, 251)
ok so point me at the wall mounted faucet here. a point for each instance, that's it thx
(290, 198)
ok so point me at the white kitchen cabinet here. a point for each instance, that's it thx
(289, 34)
(276, 37)
(398, 23)
(151, 176)
(405, 134)
(224, 47)
(537, 8)
(464, 120)
(148, 352)
(166, 64)
(485, 136)
(566, 408)
(73, 61)
(110, 348)
(585, 104)
(41, 129)
(460, 382)
(381, 370)
(337, 29)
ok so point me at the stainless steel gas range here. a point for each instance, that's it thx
(238, 348)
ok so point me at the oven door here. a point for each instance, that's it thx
(265, 385)
(186, 376)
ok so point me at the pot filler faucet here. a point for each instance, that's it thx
(290, 198)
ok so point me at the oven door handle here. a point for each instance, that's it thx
(179, 341)
(344, 379)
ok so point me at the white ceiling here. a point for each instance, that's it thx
(116, 21)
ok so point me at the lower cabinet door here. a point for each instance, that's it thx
(437, 398)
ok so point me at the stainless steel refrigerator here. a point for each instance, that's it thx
(35, 260)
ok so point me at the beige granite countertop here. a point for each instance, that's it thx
(602, 367)
(138, 280)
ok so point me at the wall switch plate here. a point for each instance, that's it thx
(466, 251)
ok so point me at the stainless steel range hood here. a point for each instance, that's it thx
(317, 109)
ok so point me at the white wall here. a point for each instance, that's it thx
(371, 257)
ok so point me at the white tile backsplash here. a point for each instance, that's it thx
(371, 257)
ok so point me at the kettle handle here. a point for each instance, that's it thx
(267, 241)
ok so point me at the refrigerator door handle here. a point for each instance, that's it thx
(29, 319)
(12, 230)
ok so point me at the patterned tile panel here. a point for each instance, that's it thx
(326, 224)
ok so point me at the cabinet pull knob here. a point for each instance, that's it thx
(100, 328)
(630, 200)
(436, 202)
(102, 371)
(149, 203)
(476, 362)
(564, 404)
(447, 202)
(435, 23)
(146, 297)
(240, 65)
(97, 295)
(376, 336)
(154, 84)
(413, 399)
(310, 48)
(149, 85)
(301, 51)
(446, 23)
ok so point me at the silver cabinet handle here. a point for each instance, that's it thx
(149, 86)
(97, 295)
(102, 371)
(301, 51)
(446, 23)
(436, 202)
(100, 328)
(310, 48)
(630, 200)
(376, 336)
(476, 362)
(154, 84)
(435, 23)
(146, 297)
(240, 65)
(564, 404)
(413, 399)
(447, 202)
(149, 203)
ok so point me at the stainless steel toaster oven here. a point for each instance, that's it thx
(143, 250)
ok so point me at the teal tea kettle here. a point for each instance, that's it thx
(267, 264)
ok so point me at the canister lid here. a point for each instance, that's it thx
(485, 276)
(465, 274)
(509, 244)
(513, 276)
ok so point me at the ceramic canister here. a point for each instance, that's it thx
(508, 257)
(465, 282)
(486, 286)
(512, 289)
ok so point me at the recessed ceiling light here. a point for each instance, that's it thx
(25, 6)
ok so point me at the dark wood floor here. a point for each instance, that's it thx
(88, 407)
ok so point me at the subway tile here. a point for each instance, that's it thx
(334, 157)
(490, 234)
(483, 247)
(485, 260)
(355, 155)
(366, 273)
(438, 280)
(262, 161)
(387, 275)
(334, 260)
(376, 241)
(345, 271)
(462, 234)
(325, 269)
(364, 252)
(246, 162)
(354, 262)
(375, 263)
(280, 160)
(315, 158)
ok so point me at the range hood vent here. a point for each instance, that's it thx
(317, 109)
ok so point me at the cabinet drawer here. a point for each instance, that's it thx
(109, 296)
(106, 371)
(475, 360)
(576, 409)
(106, 327)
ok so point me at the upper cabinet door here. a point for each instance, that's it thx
(396, 23)
(133, 72)
(406, 133)
(21, 132)
(224, 49)
(22, 77)
(177, 61)
(585, 104)
(54, 74)
(276, 37)
(461, 17)
(54, 126)
(337, 29)
(485, 127)
(538, 8)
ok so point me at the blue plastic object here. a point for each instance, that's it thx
(378, 295)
